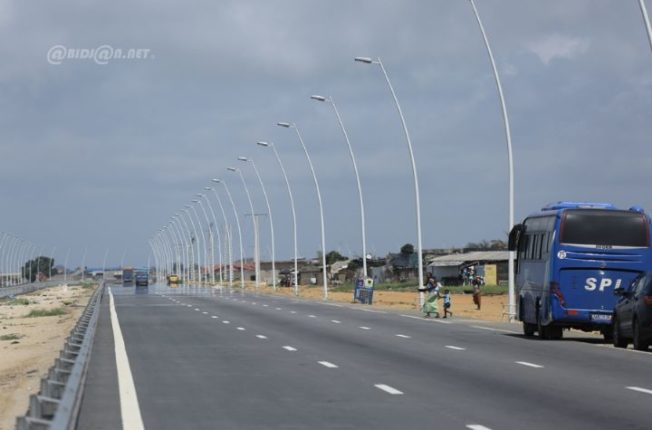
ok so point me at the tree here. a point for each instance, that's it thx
(407, 249)
(41, 264)
(334, 256)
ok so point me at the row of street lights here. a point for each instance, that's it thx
(15, 253)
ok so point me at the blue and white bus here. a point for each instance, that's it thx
(570, 256)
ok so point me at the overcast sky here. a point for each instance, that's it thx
(99, 157)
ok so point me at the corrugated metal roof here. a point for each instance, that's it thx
(459, 259)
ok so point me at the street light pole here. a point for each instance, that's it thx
(203, 238)
(294, 215)
(65, 268)
(271, 220)
(191, 254)
(237, 223)
(219, 237)
(357, 178)
(414, 167)
(180, 232)
(196, 236)
(254, 222)
(508, 136)
(321, 207)
(210, 235)
(646, 21)
(227, 229)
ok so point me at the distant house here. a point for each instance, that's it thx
(492, 265)
(402, 266)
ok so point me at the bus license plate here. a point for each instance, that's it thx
(601, 317)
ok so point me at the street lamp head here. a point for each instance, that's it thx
(241, 158)
(261, 143)
(365, 60)
(231, 169)
(284, 124)
(318, 98)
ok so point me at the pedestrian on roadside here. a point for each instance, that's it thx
(447, 303)
(430, 304)
(477, 299)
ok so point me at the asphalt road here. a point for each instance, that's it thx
(203, 358)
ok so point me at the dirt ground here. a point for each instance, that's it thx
(461, 304)
(29, 345)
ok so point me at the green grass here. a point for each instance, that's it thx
(12, 336)
(46, 312)
(16, 302)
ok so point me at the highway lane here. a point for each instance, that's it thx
(201, 359)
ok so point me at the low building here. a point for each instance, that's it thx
(492, 265)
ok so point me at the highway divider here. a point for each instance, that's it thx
(57, 404)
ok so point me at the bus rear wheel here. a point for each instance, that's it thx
(529, 329)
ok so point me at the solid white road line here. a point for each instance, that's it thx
(404, 336)
(456, 348)
(365, 328)
(129, 409)
(289, 348)
(477, 427)
(388, 389)
(328, 364)
(260, 336)
(494, 329)
(435, 320)
(640, 390)
(335, 321)
(525, 363)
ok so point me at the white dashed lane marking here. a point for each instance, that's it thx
(204, 312)
(390, 390)
(241, 328)
(289, 348)
(260, 336)
(328, 364)
(311, 316)
(404, 336)
(365, 328)
(226, 322)
(525, 363)
(456, 348)
(477, 427)
(213, 316)
(640, 390)
(335, 321)
(494, 329)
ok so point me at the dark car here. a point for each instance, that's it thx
(632, 317)
(142, 279)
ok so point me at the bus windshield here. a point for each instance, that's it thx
(604, 228)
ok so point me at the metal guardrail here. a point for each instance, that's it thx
(56, 407)
(27, 288)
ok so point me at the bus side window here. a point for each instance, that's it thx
(522, 252)
(530, 247)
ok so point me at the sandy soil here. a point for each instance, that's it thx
(25, 360)
(461, 304)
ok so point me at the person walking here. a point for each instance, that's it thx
(477, 299)
(430, 305)
(447, 303)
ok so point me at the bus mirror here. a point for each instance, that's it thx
(515, 236)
